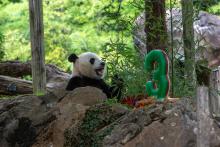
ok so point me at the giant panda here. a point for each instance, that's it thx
(89, 70)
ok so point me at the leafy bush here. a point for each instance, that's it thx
(1, 46)
(119, 51)
(215, 9)
(204, 4)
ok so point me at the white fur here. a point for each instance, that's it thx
(83, 67)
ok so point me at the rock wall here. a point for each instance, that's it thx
(206, 32)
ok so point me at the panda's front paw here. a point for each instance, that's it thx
(117, 81)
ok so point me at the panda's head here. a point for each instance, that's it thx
(88, 64)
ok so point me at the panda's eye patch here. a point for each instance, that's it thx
(92, 60)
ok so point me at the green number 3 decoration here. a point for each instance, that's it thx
(157, 62)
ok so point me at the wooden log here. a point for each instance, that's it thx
(20, 69)
(14, 86)
(15, 68)
(203, 117)
(37, 47)
(56, 78)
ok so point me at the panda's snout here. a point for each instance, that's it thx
(102, 64)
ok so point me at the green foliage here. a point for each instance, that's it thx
(1, 46)
(215, 9)
(101, 26)
(204, 4)
(14, 25)
(173, 3)
(14, 1)
(78, 26)
(119, 52)
(5, 2)
(124, 61)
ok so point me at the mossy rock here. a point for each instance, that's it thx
(94, 127)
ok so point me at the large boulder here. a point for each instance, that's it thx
(91, 130)
(206, 33)
(72, 108)
(157, 125)
(172, 132)
(40, 121)
(168, 125)
(104, 126)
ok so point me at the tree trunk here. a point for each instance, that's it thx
(189, 45)
(37, 47)
(155, 25)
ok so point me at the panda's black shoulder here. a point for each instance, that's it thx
(74, 82)
(78, 81)
(99, 83)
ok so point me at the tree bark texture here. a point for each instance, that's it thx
(189, 44)
(155, 24)
(37, 47)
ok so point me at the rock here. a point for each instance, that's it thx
(22, 119)
(177, 130)
(70, 120)
(215, 136)
(93, 127)
(107, 126)
(126, 128)
(40, 121)
(208, 26)
(122, 132)
(206, 32)
(85, 96)
(131, 124)
(165, 134)
(72, 109)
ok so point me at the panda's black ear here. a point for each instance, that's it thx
(72, 58)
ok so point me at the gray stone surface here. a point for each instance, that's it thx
(206, 32)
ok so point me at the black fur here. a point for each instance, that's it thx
(92, 60)
(72, 58)
(111, 92)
